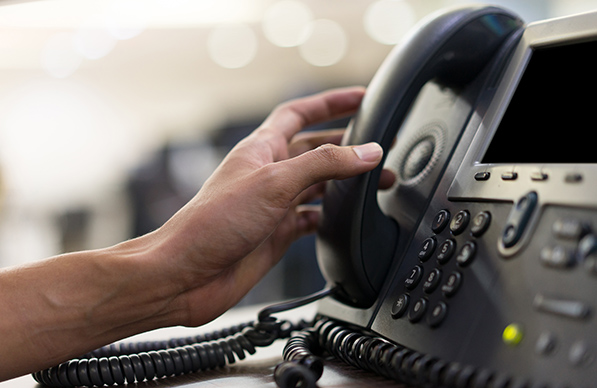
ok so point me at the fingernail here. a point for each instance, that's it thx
(369, 152)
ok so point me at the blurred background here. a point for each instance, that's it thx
(114, 112)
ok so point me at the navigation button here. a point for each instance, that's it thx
(518, 219)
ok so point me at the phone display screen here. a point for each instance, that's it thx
(552, 116)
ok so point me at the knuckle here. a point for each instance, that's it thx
(329, 153)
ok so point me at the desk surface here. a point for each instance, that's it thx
(254, 371)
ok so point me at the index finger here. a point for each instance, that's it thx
(292, 116)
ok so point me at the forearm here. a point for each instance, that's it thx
(65, 306)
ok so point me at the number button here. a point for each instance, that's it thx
(467, 254)
(418, 310)
(452, 284)
(427, 249)
(460, 222)
(480, 223)
(438, 314)
(400, 305)
(414, 278)
(445, 251)
(440, 221)
(432, 281)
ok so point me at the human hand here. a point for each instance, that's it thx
(199, 263)
(255, 204)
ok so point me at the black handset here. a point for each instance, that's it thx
(356, 242)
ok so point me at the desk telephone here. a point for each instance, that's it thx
(478, 269)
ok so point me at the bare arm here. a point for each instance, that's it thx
(199, 263)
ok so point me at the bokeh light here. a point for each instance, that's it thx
(94, 41)
(287, 23)
(386, 21)
(232, 46)
(326, 45)
(59, 57)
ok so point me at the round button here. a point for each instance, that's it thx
(418, 310)
(467, 254)
(445, 251)
(432, 281)
(452, 284)
(438, 314)
(460, 222)
(480, 223)
(414, 278)
(427, 249)
(400, 306)
(440, 221)
(580, 354)
(546, 344)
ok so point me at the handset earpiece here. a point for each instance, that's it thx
(356, 242)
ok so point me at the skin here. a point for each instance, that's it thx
(199, 263)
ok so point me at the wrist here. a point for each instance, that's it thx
(65, 306)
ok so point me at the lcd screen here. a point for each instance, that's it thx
(553, 113)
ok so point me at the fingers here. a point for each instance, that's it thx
(306, 141)
(290, 117)
(330, 162)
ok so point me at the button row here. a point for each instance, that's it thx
(459, 223)
(579, 353)
(433, 280)
(446, 250)
(419, 309)
(573, 244)
(537, 176)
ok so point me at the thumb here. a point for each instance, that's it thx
(333, 162)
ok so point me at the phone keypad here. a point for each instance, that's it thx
(430, 276)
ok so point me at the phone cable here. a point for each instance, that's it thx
(145, 361)
(372, 353)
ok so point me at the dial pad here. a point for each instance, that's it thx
(443, 257)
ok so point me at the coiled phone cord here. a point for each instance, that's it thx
(374, 354)
(137, 362)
